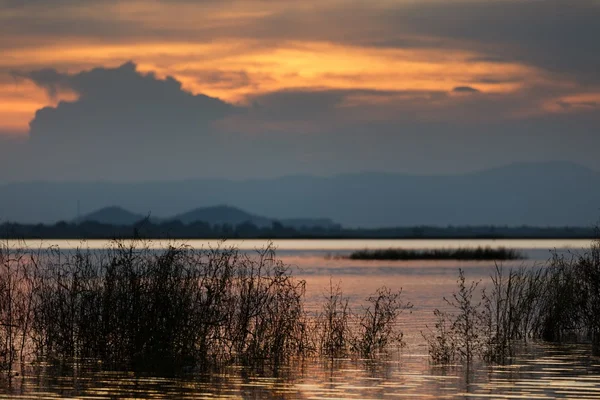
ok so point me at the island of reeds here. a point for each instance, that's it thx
(464, 254)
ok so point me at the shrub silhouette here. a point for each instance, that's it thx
(557, 302)
(132, 306)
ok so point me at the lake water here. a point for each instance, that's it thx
(542, 372)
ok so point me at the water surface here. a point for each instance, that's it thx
(541, 371)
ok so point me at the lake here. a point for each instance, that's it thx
(541, 371)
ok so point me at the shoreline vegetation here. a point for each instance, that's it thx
(461, 254)
(132, 307)
(202, 230)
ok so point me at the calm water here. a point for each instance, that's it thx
(541, 372)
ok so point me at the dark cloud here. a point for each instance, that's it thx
(465, 89)
(556, 35)
(129, 126)
(48, 78)
(324, 109)
(298, 104)
(568, 105)
(123, 122)
(123, 103)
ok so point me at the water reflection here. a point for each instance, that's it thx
(541, 372)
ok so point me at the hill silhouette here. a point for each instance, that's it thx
(534, 194)
(215, 215)
(112, 215)
(220, 215)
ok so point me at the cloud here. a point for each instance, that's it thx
(224, 79)
(555, 35)
(465, 89)
(124, 103)
(121, 123)
(251, 48)
(126, 125)
(48, 78)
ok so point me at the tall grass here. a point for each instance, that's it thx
(20, 280)
(133, 307)
(557, 302)
(368, 332)
(180, 307)
(333, 328)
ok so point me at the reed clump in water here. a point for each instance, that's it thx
(570, 302)
(19, 282)
(456, 336)
(333, 325)
(341, 332)
(478, 253)
(557, 302)
(377, 327)
(134, 307)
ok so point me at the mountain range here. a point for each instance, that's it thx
(216, 215)
(537, 194)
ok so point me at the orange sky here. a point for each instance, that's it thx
(236, 52)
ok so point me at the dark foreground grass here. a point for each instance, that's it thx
(133, 307)
(479, 253)
(555, 302)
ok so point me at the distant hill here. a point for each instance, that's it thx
(535, 194)
(220, 215)
(216, 215)
(111, 216)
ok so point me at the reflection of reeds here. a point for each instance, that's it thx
(557, 302)
(478, 253)
(132, 306)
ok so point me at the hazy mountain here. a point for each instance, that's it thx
(112, 216)
(219, 215)
(540, 194)
(216, 215)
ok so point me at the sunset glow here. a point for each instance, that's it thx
(228, 53)
(322, 86)
(236, 70)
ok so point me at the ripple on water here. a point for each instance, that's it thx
(543, 372)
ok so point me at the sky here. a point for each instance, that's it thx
(157, 90)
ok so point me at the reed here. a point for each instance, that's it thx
(478, 253)
(372, 330)
(134, 307)
(377, 328)
(334, 335)
(177, 309)
(557, 302)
